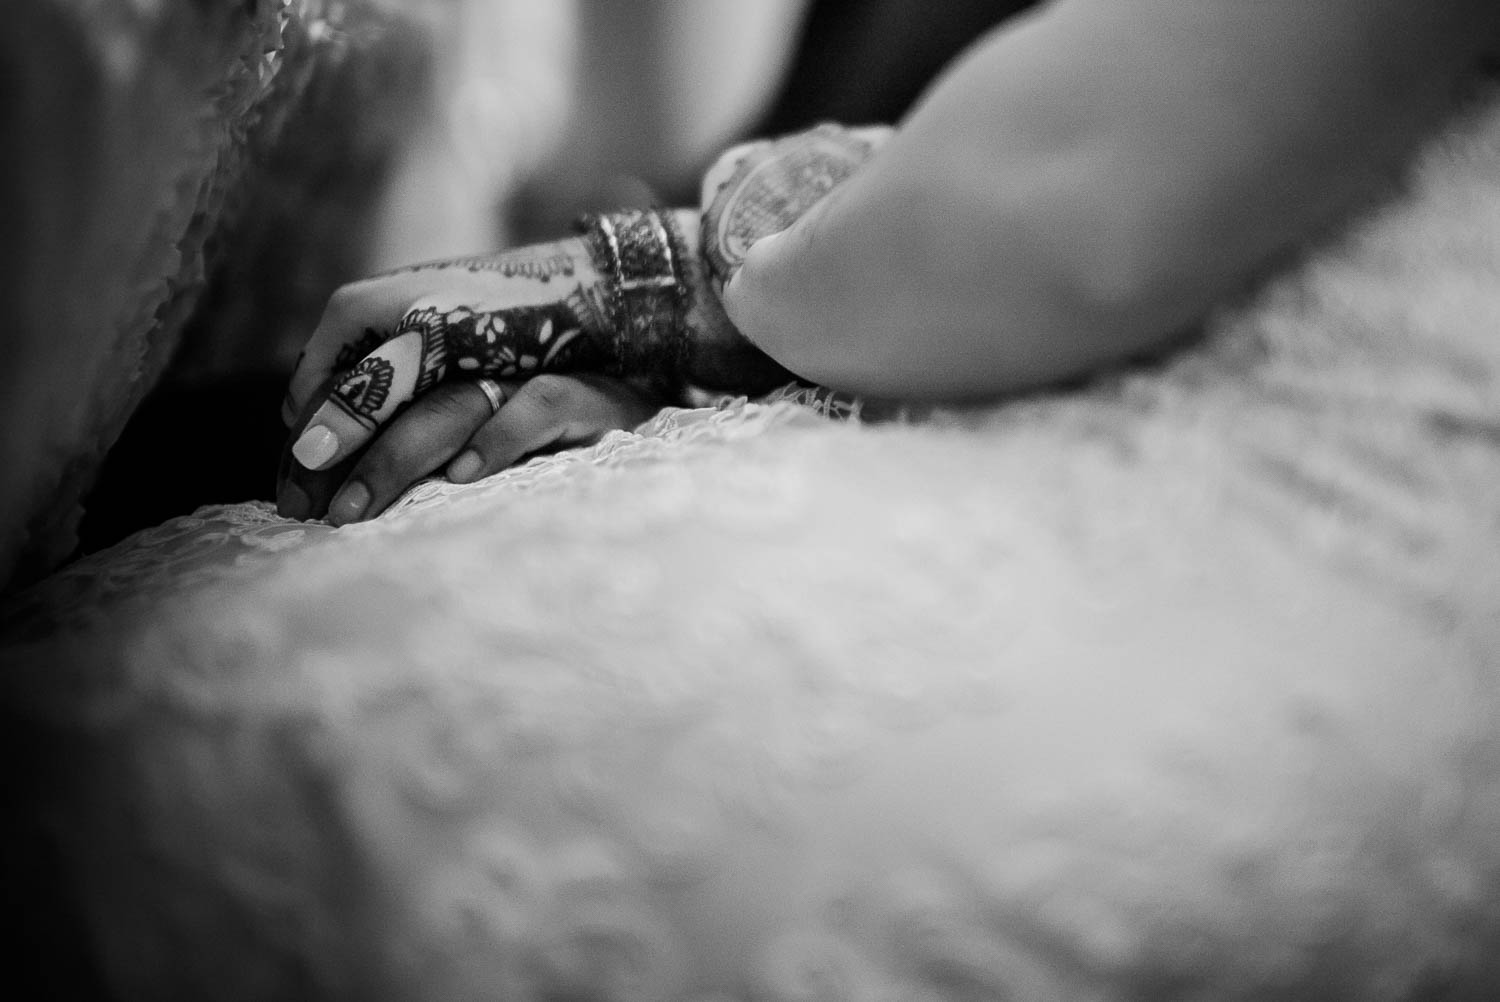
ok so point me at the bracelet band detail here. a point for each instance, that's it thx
(639, 253)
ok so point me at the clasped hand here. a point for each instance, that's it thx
(386, 391)
(389, 388)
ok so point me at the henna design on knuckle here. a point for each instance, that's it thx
(518, 341)
(350, 354)
(433, 358)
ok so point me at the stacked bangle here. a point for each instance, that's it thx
(639, 253)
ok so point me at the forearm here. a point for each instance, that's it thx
(1086, 185)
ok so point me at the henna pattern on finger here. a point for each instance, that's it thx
(349, 354)
(434, 356)
(519, 341)
(365, 389)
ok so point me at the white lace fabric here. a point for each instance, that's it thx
(1180, 685)
(136, 178)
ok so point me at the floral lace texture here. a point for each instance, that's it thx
(1183, 685)
(137, 177)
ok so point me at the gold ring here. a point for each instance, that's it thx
(492, 392)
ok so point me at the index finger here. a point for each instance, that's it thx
(302, 493)
(371, 392)
(359, 318)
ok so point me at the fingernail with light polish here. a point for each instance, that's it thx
(349, 504)
(316, 446)
(465, 468)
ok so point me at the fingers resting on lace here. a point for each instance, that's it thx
(551, 412)
(456, 429)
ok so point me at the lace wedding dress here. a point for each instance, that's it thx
(1180, 685)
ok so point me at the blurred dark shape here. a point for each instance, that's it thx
(867, 61)
(190, 443)
(864, 62)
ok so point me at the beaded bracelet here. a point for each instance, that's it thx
(640, 254)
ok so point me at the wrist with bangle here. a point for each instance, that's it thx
(665, 319)
(643, 260)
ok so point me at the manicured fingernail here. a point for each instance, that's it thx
(465, 468)
(316, 446)
(293, 502)
(350, 503)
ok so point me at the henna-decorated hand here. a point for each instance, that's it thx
(574, 305)
(458, 428)
(640, 299)
(384, 341)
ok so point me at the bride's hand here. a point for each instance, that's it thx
(384, 341)
(637, 295)
(629, 298)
